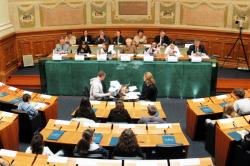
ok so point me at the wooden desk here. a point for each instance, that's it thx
(146, 162)
(137, 128)
(9, 130)
(223, 141)
(247, 117)
(98, 127)
(192, 162)
(62, 125)
(195, 119)
(49, 111)
(223, 98)
(169, 128)
(230, 123)
(42, 160)
(199, 102)
(17, 158)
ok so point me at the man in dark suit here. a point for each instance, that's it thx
(85, 37)
(118, 39)
(102, 38)
(196, 47)
(162, 39)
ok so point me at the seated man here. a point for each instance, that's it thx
(196, 48)
(153, 50)
(140, 38)
(162, 39)
(85, 37)
(172, 50)
(96, 89)
(153, 117)
(27, 107)
(118, 39)
(102, 38)
(62, 47)
(242, 104)
(129, 48)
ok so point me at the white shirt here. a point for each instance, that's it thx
(46, 151)
(93, 146)
(173, 51)
(110, 49)
(242, 106)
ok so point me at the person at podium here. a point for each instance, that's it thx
(83, 48)
(102, 38)
(162, 39)
(129, 47)
(62, 47)
(118, 39)
(85, 37)
(140, 38)
(196, 48)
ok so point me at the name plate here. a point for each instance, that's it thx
(79, 58)
(125, 57)
(56, 57)
(196, 59)
(148, 58)
(172, 59)
(102, 57)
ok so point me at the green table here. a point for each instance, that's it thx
(177, 80)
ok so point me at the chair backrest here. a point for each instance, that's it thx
(210, 136)
(86, 91)
(95, 156)
(164, 151)
(238, 155)
(126, 158)
(28, 60)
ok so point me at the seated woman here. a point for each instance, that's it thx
(153, 117)
(129, 47)
(27, 107)
(86, 146)
(83, 48)
(140, 38)
(119, 113)
(149, 89)
(85, 110)
(37, 146)
(128, 145)
(228, 111)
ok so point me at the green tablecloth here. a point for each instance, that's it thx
(181, 79)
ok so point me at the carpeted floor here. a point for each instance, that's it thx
(175, 109)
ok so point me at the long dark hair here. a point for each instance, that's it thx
(87, 48)
(85, 108)
(119, 106)
(84, 144)
(127, 141)
(37, 144)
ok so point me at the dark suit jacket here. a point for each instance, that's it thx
(121, 40)
(97, 41)
(165, 40)
(192, 49)
(82, 38)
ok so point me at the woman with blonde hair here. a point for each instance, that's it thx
(149, 89)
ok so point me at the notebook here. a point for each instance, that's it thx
(55, 135)
(206, 109)
(16, 101)
(3, 94)
(168, 139)
(114, 141)
(97, 138)
(223, 104)
(236, 136)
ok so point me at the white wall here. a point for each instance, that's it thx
(5, 26)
